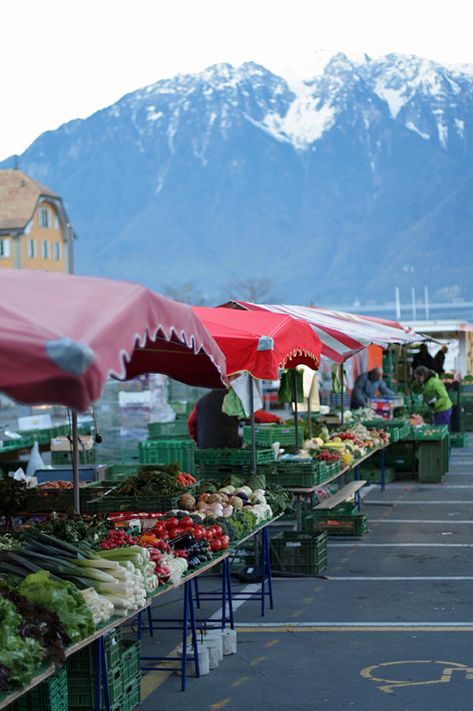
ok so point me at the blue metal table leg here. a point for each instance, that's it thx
(356, 476)
(140, 622)
(223, 599)
(228, 576)
(184, 637)
(263, 575)
(196, 592)
(267, 549)
(193, 631)
(150, 620)
(382, 470)
(106, 690)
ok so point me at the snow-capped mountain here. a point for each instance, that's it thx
(335, 183)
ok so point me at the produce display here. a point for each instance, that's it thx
(158, 480)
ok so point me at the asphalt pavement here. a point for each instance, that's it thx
(388, 626)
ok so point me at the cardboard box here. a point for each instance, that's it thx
(63, 444)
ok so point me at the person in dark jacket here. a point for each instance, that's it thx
(210, 427)
(367, 386)
(439, 360)
(423, 357)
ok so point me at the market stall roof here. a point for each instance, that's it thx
(342, 334)
(61, 336)
(261, 342)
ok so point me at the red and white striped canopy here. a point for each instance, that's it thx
(342, 334)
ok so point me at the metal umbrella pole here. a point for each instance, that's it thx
(342, 373)
(75, 461)
(294, 399)
(252, 422)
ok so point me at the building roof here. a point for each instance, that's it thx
(441, 326)
(18, 197)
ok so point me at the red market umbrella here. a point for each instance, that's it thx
(61, 336)
(342, 334)
(259, 342)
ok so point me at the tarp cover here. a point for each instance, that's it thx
(342, 334)
(61, 336)
(260, 342)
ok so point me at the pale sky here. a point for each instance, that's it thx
(64, 59)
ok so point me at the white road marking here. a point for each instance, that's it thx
(400, 545)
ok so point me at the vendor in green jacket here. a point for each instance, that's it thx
(435, 394)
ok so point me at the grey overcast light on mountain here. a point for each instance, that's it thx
(65, 60)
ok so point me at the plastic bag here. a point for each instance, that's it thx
(35, 461)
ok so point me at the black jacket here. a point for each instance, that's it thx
(214, 427)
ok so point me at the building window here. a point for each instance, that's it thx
(56, 221)
(31, 248)
(45, 249)
(4, 248)
(57, 251)
(44, 217)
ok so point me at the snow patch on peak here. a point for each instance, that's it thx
(395, 98)
(305, 121)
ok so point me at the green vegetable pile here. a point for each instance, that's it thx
(64, 599)
(9, 543)
(20, 656)
(76, 528)
(279, 499)
(237, 526)
(158, 480)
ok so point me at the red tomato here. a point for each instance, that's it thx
(209, 535)
(159, 528)
(186, 522)
(172, 522)
(199, 532)
(225, 541)
(216, 545)
(218, 530)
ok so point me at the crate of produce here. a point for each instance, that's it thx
(44, 498)
(51, 695)
(167, 430)
(232, 456)
(168, 451)
(295, 553)
(265, 435)
(301, 473)
(236, 475)
(150, 504)
(404, 430)
(459, 439)
(429, 432)
(328, 470)
(343, 520)
(12, 445)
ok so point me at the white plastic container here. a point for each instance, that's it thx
(204, 660)
(214, 646)
(229, 639)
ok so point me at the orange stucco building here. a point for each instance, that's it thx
(33, 224)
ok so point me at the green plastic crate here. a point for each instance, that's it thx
(51, 695)
(86, 456)
(232, 456)
(328, 470)
(431, 461)
(82, 690)
(150, 504)
(265, 435)
(296, 553)
(13, 445)
(119, 471)
(41, 499)
(236, 475)
(131, 694)
(169, 451)
(165, 430)
(459, 439)
(299, 474)
(343, 520)
(130, 661)
(373, 474)
(401, 457)
(83, 662)
(429, 432)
